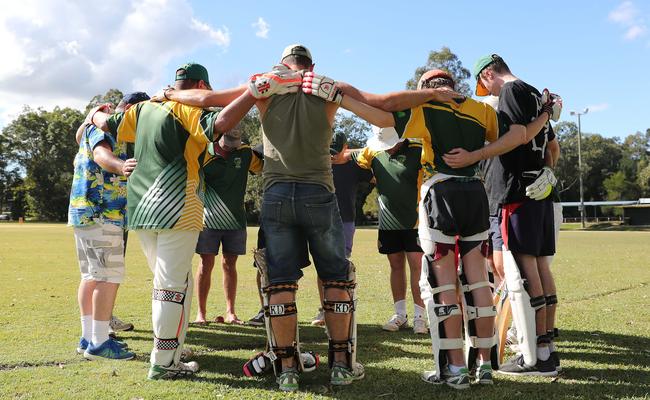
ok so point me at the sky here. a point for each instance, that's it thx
(595, 54)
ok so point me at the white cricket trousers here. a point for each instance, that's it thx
(169, 255)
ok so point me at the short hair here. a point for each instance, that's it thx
(298, 60)
(438, 82)
(498, 65)
(186, 84)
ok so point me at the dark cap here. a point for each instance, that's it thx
(338, 141)
(192, 71)
(135, 97)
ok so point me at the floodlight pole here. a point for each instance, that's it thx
(582, 195)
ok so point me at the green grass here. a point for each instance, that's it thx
(603, 280)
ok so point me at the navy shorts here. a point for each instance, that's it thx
(495, 239)
(297, 216)
(397, 241)
(231, 241)
(528, 227)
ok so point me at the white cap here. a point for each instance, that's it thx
(296, 49)
(383, 139)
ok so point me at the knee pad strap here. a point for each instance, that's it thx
(281, 287)
(168, 295)
(338, 307)
(339, 285)
(165, 344)
(551, 299)
(538, 302)
(280, 310)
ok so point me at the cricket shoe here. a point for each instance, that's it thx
(517, 366)
(258, 319)
(319, 319)
(484, 375)
(109, 350)
(118, 325)
(176, 371)
(341, 375)
(83, 345)
(395, 323)
(260, 363)
(420, 326)
(288, 380)
(457, 381)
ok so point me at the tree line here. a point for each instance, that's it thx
(37, 151)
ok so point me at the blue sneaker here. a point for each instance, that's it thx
(110, 349)
(83, 345)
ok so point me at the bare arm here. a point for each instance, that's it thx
(371, 114)
(205, 98)
(230, 116)
(104, 157)
(402, 100)
(458, 158)
(533, 128)
(99, 119)
(552, 153)
(80, 131)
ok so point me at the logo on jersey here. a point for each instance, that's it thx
(237, 162)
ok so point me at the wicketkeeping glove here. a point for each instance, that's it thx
(543, 185)
(551, 104)
(280, 80)
(321, 86)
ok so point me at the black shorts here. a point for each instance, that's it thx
(457, 207)
(232, 241)
(528, 227)
(396, 241)
(495, 239)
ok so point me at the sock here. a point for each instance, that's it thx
(87, 326)
(418, 312)
(543, 353)
(455, 369)
(100, 332)
(400, 307)
(551, 347)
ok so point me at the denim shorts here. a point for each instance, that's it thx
(297, 215)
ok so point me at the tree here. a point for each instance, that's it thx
(354, 128)
(112, 96)
(619, 188)
(446, 60)
(42, 143)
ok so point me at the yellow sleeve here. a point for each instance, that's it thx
(196, 121)
(123, 125)
(257, 164)
(410, 124)
(364, 157)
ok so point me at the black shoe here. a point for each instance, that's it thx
(556, 360)
(258, 319)
(517, 366)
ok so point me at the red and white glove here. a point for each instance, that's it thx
(321, 86)
(551, 104)
(280, 80)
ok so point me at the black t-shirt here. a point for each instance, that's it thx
(507, 176)
(346, 181)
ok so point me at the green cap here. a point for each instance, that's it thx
(338, 141)
(192, 71)
(483, 62)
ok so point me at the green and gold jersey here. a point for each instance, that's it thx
(445, 126)
(399, 177)
(225, 187)
(165, 191)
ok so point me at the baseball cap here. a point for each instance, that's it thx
(384, 138)
(194, 71)
(338, 141)
(135, 97)
(433, 73)
(296, 50)
(479, 66)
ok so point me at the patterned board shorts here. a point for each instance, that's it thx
(100, 250)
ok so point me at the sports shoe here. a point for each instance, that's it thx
(511, 339)
(288, 380)
(484, 375)
(110, 349)
(420, 326)
(395, 323)
(83, 345)
(180, 370)
(341, 375)
(517, 366)
(258, 319)
(118, 325)
(556, 361)
(319, 319)
(457, 381)
(186, 353)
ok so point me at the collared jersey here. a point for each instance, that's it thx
(445, 126)
(399, 177)
(166, 188)
(225, 187)
(96, 195)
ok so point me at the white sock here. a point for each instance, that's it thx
(87, 326)
(551, 347)
(454, 369)
(400, 307)
(100, 332)
(543, 353)
(418, 312)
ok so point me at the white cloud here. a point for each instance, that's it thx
(63, 53)
(262, 27)
(628, 16)
(598, 107)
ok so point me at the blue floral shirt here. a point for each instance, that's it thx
(96, 195)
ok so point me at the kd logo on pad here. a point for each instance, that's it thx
(341, 308)
(276, 309)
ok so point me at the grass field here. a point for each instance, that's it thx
(603, 288)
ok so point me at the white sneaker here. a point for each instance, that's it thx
(186, 353)
(319, 319)
(420, 326)
(117, 324)
(395, 323)
(180, 370)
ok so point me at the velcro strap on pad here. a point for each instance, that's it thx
(483, 343)
(449, 344)
(339, 346)
(281, 287)
(284, 352)
(280, 310)
(445, 311)
(480, 312)
(165, 344)
(538, 302)
(338, 307)
(168, 295)
(443, 288)
(339, 284)
(546, 338)
(477, 285)
(551, 299)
